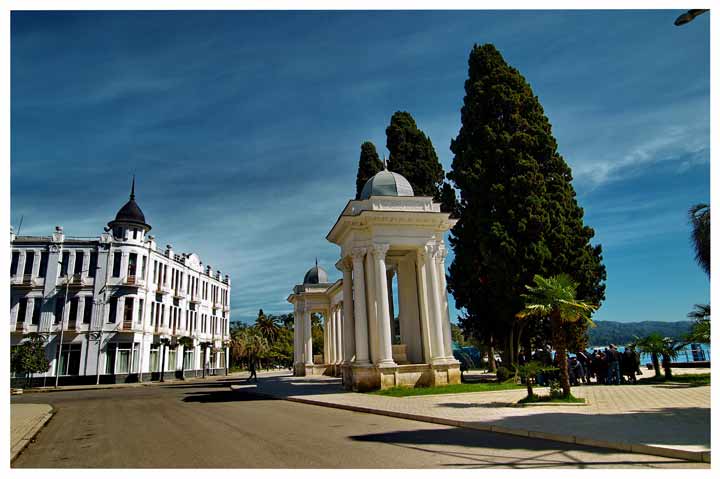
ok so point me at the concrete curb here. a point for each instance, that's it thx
(18, 447)
(696, 456)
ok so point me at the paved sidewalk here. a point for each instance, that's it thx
(670, 420)
(26, 420)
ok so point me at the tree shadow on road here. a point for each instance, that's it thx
(226, 395)
(470, 454)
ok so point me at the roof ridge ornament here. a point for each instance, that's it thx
(132, 188)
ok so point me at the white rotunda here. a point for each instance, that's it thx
(389, 312)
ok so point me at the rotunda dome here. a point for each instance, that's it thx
(315, 275)
(386, 183)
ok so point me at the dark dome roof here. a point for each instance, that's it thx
(315, 275)
(130, 212)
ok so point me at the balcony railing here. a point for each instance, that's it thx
(164, 288)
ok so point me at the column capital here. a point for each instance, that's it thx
(358, 253)
(344, 264)
(380, 250)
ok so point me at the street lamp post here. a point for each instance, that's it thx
(68, 278)
(689, 16)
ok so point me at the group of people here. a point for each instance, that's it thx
(608, 366)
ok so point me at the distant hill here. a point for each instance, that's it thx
(614, 332)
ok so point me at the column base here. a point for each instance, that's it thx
(369, 378)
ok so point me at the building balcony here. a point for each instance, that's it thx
(179, 293)
(132, 280)
(21, 327)
(194, 298)
(23, 281)
(164, 289)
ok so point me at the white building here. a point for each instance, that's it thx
(390, 240)
(123, 309)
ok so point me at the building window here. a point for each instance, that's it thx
(143, 265)
(37, 309)
(128, 311)
(110, 358)
(113, 310)
(79, 257)
(152, 313)
(43, 264)
(92, 267)
(117, 258)
(59, 307)
(22, 310)
(65, 264)
(73, 310)
(70, 360)
(141, 313)
(29, 260)
(188, 358)
(135, 232)
(124, 353)
(154, 359)
(132, 265)
(87, 312)
(14, 263)
(172, 361)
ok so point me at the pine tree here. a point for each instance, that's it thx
(412, 155)
(518, 212)
(368, 166)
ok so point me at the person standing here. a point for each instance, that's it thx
(613, 357)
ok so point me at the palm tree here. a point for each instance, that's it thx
(654, 346)
(700, 220)
(657, 346)
(267, 326)
(249, 345)
(554, 298)
(701, 328)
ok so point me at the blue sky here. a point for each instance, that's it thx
(244, 129)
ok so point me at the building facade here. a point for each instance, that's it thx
(117, 308)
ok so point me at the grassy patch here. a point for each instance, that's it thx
(449, 389)
(702, 379)
(540, 399)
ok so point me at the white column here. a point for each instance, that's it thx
(384, 326)
(436, 333)
(347, 318)
(338, 336)
(330, 339)
(297, 331)
(444, 306)
(361, 327)
(307, 328)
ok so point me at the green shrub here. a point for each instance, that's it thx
(555, 389)
(503, 374)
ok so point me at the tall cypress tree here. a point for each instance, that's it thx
(368, 166)
(412, 155)
(518, 212)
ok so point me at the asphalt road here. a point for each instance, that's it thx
(206, 425)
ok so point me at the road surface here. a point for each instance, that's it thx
(206, 425)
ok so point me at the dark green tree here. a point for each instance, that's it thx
(518, 212)
(29, 357)
(368, 166)
(448, 200)
(412, 155)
